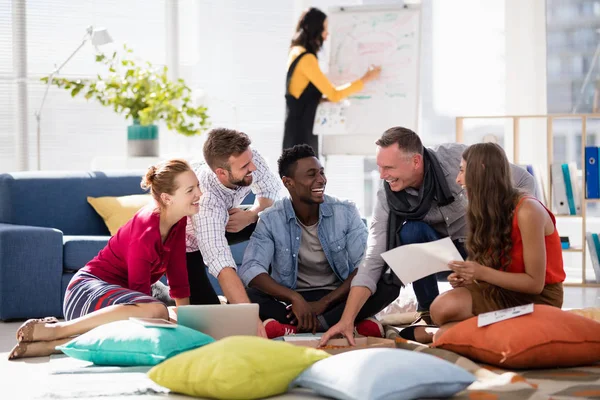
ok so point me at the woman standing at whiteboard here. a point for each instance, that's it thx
(306, 84)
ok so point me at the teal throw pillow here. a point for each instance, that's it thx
(129, 343)
(378, 374)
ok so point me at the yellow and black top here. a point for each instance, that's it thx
(306, 85)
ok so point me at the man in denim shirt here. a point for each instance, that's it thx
(313, 244)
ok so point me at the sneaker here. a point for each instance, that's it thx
(276, 329)
(370, 327)
(391, 332)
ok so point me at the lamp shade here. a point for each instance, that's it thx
(100, 37)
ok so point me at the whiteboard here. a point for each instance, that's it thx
(362, 36)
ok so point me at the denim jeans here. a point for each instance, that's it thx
(426, 289)
(272, 308)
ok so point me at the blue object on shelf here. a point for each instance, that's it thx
(592, 173)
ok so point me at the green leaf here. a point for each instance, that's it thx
(75, 91)
(141, 91)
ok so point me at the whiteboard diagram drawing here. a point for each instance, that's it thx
(361, 38)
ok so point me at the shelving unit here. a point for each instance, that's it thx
(516, 119)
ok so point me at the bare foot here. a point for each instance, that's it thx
(35, 349)
(35, 330)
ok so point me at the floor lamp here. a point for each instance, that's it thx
(98, 37)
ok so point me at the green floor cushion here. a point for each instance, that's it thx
(130, 343)
(237, 367)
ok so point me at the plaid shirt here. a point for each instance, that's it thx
(206, 230)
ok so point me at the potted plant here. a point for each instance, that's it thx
(143, 93)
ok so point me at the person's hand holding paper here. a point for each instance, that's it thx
(412, 262)
(468, 271)
(455, 280)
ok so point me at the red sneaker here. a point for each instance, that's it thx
(276, 329)
(370, 327)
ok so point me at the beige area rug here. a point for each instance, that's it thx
(62, 377)
(498, 384)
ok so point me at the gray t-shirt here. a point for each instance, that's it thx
(314, 271)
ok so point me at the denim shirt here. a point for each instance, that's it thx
(276, 241)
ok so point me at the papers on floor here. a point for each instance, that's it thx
(411, 262)
(501, 315)
(302, 337)
(299, 338)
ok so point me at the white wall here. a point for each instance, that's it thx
(235, 59)
(526, 74)
(475, 58)
(73, 131)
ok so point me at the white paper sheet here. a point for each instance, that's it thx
(501, 315)
(415, 261)
(300, 338)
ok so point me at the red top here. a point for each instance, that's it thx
(135, 256)
(555, 271)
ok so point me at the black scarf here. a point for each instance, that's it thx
(435, 187)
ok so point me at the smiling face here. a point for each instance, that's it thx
(240, 170)
(308, 182)
(186, 198)
(398, 168)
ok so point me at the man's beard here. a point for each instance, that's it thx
(239, 182)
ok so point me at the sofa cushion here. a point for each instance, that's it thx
(59, 199)
(237, 250)
(64, 282)
(117, 211)
(79, 250)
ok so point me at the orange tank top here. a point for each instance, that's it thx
(555, 271)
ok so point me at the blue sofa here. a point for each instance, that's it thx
(48, 231)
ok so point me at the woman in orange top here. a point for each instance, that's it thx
(306, 84)
(515, 255)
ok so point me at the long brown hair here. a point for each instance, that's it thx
(492, 199)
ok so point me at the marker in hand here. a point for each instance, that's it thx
(372, 73)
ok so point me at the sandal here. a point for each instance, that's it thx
(25, 332)
(424, 316)
(408, 333)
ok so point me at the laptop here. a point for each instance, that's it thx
(220, 320)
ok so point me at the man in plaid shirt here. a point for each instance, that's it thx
(231, 171)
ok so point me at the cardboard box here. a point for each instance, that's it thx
(342, 345)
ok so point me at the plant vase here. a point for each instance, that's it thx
(142, 140)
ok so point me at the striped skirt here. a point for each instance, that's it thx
(87, 293)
